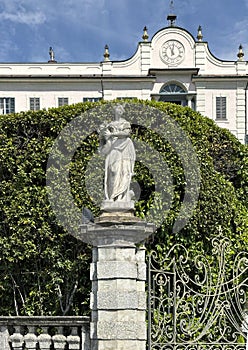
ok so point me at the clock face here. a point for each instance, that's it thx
(172, 52)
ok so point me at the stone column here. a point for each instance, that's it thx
(118, 274)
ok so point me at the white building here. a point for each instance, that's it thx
(172, 66)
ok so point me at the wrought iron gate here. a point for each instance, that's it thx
(198, 303)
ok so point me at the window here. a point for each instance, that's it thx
(34, 103)
(126, 98)
(172, 89)
(7, 105)
(62, 101)
(220, 107)
(173, 93)
(92, 99)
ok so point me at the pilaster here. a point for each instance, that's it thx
(240, 111)
(145, 57)
(107, 67)
(200, 56)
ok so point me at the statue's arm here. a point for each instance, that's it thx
(105, 149)
(105, 141)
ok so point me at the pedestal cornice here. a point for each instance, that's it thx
(120, 233)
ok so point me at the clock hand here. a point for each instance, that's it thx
(172, 49)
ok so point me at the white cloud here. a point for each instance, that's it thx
(74, 10)
(79, 29)
(29, 18)
(23, 12)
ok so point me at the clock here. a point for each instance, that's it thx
(172, 52)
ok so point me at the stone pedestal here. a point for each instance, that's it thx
(118, 274)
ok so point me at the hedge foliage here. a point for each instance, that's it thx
(44, 270)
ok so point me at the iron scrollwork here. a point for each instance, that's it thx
(197, 303)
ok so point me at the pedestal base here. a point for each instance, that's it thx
(118, 345)
(117, 217)
(117, 206)
(118, 274)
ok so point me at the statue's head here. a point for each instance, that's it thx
(119, 111)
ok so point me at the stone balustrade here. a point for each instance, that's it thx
(44, 333)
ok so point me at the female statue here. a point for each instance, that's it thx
(119, 150)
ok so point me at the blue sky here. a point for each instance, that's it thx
(79, 29)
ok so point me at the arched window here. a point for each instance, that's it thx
(175, 93)
(172, 89)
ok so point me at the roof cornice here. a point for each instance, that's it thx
(219, 77)
(68, 78)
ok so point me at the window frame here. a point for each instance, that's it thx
(35, 102)
(173, 92)
(121, 98)
(172, 88)
(63, 101)
(7, 105)
(92, 99)
(221, 110)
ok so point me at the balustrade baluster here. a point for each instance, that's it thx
(17, 339)
(59, 340)
(44, 339)
(44, 333)
(4, 338)
(30, 339)
(73, 339)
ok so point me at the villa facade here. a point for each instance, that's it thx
(172, 66)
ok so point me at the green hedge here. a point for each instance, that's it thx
(43, 269)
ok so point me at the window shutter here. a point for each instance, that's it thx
(220, 107)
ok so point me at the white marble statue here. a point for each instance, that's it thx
(119, 151)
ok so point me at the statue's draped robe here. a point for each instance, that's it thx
(119, 167)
